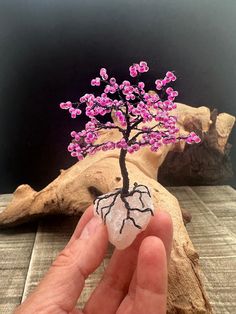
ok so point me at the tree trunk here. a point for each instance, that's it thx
(124, 172)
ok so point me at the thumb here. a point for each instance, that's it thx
(64, 281)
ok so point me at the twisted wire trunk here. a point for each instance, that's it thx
(124, 172)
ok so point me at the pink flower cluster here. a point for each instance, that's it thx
(96, 81)
(136, 68)
(148, 114)
(74, 112)
(193, 138)
(170, 77)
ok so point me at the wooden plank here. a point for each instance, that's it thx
(15, 250)
(221, 200)
(216, 245)
(52, 235)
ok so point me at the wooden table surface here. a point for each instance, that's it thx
(27, 251)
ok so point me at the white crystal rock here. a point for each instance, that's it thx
(123, 223)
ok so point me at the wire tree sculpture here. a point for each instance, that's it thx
(135, 110)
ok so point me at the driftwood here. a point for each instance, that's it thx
(75, 189)
(205, 164)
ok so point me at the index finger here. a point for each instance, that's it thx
(151, 286)
(84, 219)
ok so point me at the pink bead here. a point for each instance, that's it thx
(93, 82)
(69, 104)
(159, 84)
(70, 147)
(112, 90)
(197, 139)
(126, 83)
(136, 147)
(143, 64)
(97, 81)
(175, 94)
(105, 77)
(167, 80)
(169, 74)
(103, 71)
(169, 90)
(112, 81)
(152, 141)
(164, 82)
(132, 71)
(141, 85)
(130, 150)
(142, 69)
(107, 89)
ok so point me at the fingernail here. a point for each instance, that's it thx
(91, 227)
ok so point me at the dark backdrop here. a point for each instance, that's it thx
(50, 50)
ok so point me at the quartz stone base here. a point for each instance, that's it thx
(125, 216)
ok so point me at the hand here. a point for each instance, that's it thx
(135, 281)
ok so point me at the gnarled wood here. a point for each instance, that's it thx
(205, 164)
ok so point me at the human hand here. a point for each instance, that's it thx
(135, 281)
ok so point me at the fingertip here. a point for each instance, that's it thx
(161, 226)
(94, 240)
(84, 219)
(151, 291)
(152, 252)
(166, 232)
(165, 215)
(166, 220)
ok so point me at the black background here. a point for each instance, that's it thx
(51, 49)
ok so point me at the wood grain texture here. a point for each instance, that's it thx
(221, 200)
(52, 235)
(15, 252)
(214, 241)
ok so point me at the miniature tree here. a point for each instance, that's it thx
(135, 110)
